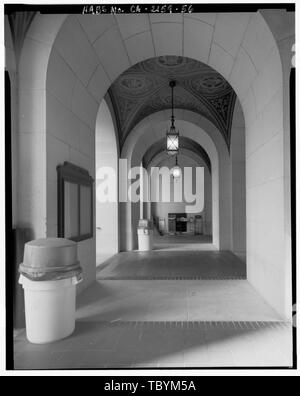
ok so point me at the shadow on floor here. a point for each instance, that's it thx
(173, 344)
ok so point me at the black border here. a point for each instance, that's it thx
(77, 9)
(146, 8)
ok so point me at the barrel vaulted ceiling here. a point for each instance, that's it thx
(144, 89)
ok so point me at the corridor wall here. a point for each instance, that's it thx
(161, 209)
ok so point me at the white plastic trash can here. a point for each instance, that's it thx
(49, 309)
(49, 274)
(145, 238)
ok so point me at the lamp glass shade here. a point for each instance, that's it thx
(172, 143)
(176, 171)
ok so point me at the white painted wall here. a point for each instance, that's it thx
(238, 182)
(57, 124)
(107, 240)
(32, 127)
(267, 260)
(162, 209)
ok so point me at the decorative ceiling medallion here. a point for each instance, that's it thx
(170, 61)
(168, 65)
(209, 84)
(144, 89)
(133, 85)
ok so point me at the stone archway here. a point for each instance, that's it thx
(89, 52)
(152, 129)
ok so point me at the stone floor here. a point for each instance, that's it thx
(167, 309)
(158, 300)
(190, 257)
(183, 264)
(176, 242)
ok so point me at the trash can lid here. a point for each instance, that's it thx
(51, 243)
(49, 254)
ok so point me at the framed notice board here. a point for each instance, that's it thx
(74, 202)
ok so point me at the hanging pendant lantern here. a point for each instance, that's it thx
(172, 134)
(176, 171)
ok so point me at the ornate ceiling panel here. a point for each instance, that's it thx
(144, 89)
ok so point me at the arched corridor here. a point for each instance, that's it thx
(218, 278)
